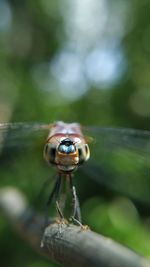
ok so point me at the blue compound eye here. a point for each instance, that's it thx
(63, 148)
(71, 149)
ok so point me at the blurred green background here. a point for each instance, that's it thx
(86, 61)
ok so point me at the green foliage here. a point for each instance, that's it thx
(34, 35)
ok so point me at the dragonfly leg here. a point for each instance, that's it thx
(55, 190)
(59, 210)
(63, 195)
(55, 193)
(76, 214)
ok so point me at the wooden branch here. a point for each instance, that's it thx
(68, 245)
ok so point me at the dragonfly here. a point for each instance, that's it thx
(116, 158)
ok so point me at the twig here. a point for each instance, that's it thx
(68, 245)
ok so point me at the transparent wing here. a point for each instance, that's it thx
(120, 160)
(21, 156)
(21, 134)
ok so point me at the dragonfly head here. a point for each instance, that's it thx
(66, 154)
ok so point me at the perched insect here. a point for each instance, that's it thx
(118, 159)
(66, 148)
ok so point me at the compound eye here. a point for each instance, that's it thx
(50, 153)
(87, 151)
(83, 153)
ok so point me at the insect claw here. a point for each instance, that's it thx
(83, 227)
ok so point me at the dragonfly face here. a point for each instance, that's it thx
(66, 147)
